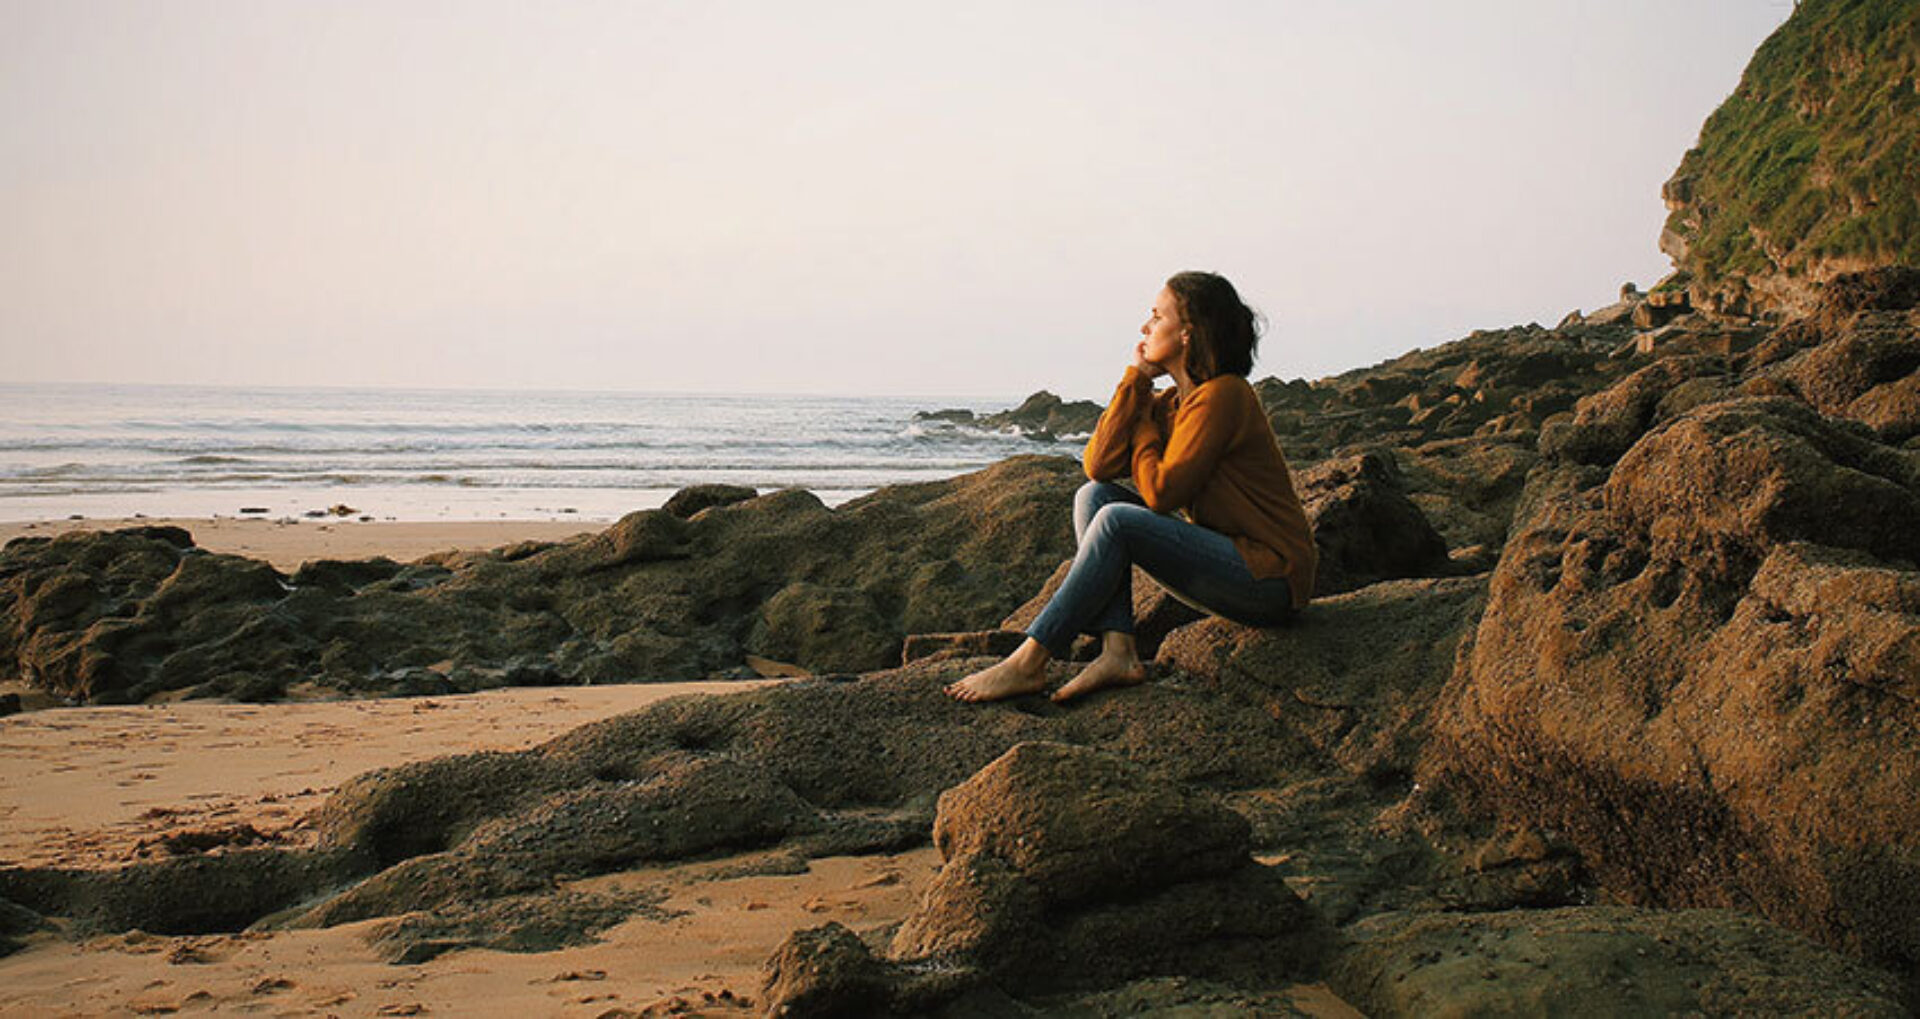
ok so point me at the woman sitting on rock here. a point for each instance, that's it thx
(1203, 446)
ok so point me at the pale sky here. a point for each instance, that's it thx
(895, 197)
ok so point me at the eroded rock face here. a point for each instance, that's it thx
(1858, 355)
(127, 615)
(1699, 656)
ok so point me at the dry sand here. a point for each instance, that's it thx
(85, 787)
(288, 543)
(91, 787)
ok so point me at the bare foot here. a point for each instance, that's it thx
(1104, 671)
(1007, 679)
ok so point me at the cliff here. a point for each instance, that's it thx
(1810, 169)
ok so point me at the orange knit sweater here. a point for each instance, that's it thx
(1213, 454)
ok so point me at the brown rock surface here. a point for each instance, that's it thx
(1066, 868)
(127, 615)
(1364, 526)
(1599, 961)
(1697, 660)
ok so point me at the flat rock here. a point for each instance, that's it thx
(1598, 960)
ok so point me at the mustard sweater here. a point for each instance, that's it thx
(1213, 454)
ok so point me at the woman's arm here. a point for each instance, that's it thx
(1110, 451)
(1169, 471)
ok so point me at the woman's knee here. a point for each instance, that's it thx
(1094, 496)
(1113, 520)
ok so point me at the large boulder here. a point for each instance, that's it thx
(1066, 869)
(1468, 488)
(89, 616)
(1699, 656)
(827, 972)
(1364, 525)
(1356, 678)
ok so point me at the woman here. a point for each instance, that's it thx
(1203, 446)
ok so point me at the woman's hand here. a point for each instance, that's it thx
(1144, 366)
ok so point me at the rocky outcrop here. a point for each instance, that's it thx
(1687, 682)
(1489, 384)
(129, 614)
(1699, 654)
(1807, 171)
(1042, 416)
(817, 767)
(694, 498)
(1857, 357)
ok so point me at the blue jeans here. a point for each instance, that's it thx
(1116, 532)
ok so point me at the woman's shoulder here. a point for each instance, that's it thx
(1225, 391)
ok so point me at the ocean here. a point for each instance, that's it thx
(418, 454)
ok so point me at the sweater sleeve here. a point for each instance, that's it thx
(1109, 451)
(1169, 470)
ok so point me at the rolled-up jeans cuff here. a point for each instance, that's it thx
(1060, 645)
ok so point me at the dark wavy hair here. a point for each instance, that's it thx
(1224, 331)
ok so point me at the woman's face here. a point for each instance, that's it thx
(1166, 331)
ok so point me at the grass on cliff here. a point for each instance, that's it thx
(1816, 151)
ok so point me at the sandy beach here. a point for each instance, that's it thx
(99, 787)
(288, 543)
(102, 787)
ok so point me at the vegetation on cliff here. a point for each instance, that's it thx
(1811, 166)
